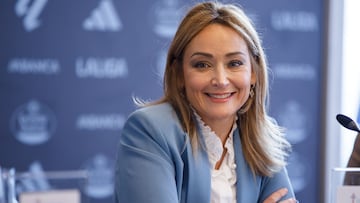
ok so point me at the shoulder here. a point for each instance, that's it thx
(159, 123)
(155, 114)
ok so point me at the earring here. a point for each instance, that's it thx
(252, 91)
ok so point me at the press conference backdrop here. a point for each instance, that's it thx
(69, 70)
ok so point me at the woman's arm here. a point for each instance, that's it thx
(277, 188)
(279, 194)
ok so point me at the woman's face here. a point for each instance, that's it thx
(217, 73)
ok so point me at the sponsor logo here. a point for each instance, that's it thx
(294, 21)
(100, 122)
(295, 71)
(101, 68)
(103, 18)
(33, 123)
(30, 12)
(33, 66)
(37, 180)
(100, 182)
(165, 16)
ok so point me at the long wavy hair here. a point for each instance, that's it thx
(263, 143)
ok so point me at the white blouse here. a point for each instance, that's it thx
(223, 180)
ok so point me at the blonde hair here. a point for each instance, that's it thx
(264, 146)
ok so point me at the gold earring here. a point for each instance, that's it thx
(252, 91)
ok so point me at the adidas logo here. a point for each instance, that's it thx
(103, 18)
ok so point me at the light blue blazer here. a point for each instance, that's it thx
(156, 164)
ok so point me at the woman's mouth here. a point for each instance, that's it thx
(220, 96)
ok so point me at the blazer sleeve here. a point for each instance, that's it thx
(145, 170)
(274, 183)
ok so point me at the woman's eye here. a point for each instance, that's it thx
(235, 63)
(201, 65)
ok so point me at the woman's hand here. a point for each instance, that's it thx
(276, 196)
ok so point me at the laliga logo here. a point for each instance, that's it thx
(30, 12)
(33, 123)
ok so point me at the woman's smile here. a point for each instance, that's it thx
(220, 97)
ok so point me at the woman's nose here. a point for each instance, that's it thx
(220, 77)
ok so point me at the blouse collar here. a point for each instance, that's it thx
(213, 143)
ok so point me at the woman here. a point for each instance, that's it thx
(209, 138)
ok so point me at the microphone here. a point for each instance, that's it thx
(347, 122)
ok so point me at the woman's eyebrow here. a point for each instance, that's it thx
(235, 53)
(210, 55)
(201, 54)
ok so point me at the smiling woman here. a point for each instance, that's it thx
(217, 76)
(209, 139)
